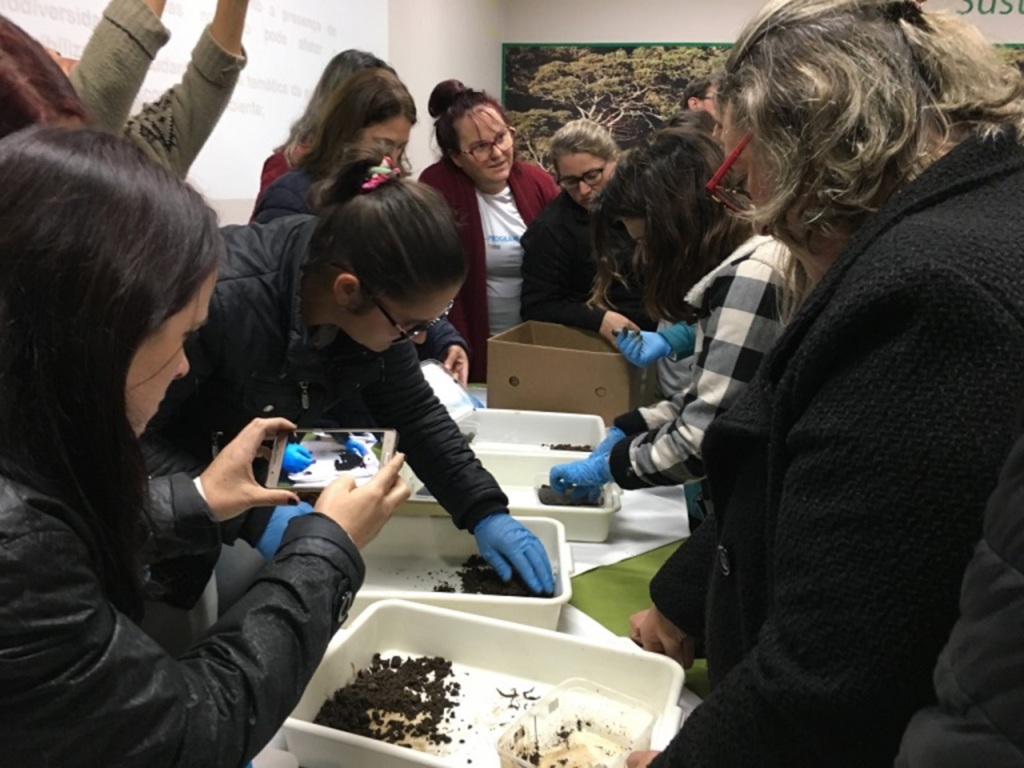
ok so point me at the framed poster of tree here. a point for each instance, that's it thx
(630, 88)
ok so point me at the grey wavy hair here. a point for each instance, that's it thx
(848, 101)
(582, 136)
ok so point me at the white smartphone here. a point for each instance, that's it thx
(328, 454)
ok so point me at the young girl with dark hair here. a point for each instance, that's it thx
(370, 105)
(303, 131)
(103, 284)
(699, 265)
(311, 313)
(494, 197)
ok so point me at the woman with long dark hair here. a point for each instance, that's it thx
(109, 263)
(698, 265)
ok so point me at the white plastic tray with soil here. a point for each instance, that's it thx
(500, 668)
(413, 557)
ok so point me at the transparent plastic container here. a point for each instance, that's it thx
(579, 724)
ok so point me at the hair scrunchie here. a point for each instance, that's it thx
(380, 174)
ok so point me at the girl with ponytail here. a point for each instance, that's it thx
(314, 319)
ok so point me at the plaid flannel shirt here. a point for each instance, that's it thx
(738, 321)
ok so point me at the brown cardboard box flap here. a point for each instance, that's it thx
(549, 367)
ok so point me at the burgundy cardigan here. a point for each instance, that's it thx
(532, 189)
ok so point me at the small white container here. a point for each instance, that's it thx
(412, 555)
(579, 724)
(491, 660)
(581, 523)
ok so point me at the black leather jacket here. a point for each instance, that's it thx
(82, 685)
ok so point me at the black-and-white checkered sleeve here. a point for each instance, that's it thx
(739, 322)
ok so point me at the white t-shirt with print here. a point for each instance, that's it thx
(503, 227)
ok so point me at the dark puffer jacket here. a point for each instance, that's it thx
(979, 721)
(255, 358)
(82, 685)
(849, 481)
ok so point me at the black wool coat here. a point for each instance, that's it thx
(849, 481)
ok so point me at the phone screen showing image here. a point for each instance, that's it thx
(312, 459)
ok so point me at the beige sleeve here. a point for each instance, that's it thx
(114, 62)
(174, 128)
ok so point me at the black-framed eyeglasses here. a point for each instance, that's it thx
(590, 178)
(481, 150)
(417, 328)
(733, 198)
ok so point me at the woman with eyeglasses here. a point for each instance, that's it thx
(558, 255)
(495, 197)
(311, 312)
(882, 143)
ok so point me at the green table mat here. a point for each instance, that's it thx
(612, 593)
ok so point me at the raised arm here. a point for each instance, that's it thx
(115, 61)
(174, 128)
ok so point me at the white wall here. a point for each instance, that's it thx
(288, 42)
(619, 21)
(434, 40)
(679, 21)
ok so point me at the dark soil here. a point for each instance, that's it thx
(398, 700)
(548, 495)
(569, 447)
(478, 578)
(348, 460)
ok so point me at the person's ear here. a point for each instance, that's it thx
(346, 291)
(458, 159)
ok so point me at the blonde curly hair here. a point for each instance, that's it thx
(848, 101)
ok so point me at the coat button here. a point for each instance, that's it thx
(723, 560)
(268, 409)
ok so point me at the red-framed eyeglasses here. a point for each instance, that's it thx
(733, 198)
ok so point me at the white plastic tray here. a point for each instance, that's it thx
(487, 655)
(581, 523)
(412, 555)
(496, 429)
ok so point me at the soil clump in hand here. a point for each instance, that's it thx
(548, 495)
(399, 701)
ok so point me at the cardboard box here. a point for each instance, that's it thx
(549, 367)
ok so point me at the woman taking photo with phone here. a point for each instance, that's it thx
(103, 284)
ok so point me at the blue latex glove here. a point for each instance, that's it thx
(296, 458)
(581, 479)
(355, 446)
(643, 348)
(506, 544)
(611, 437)
(270, 539)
